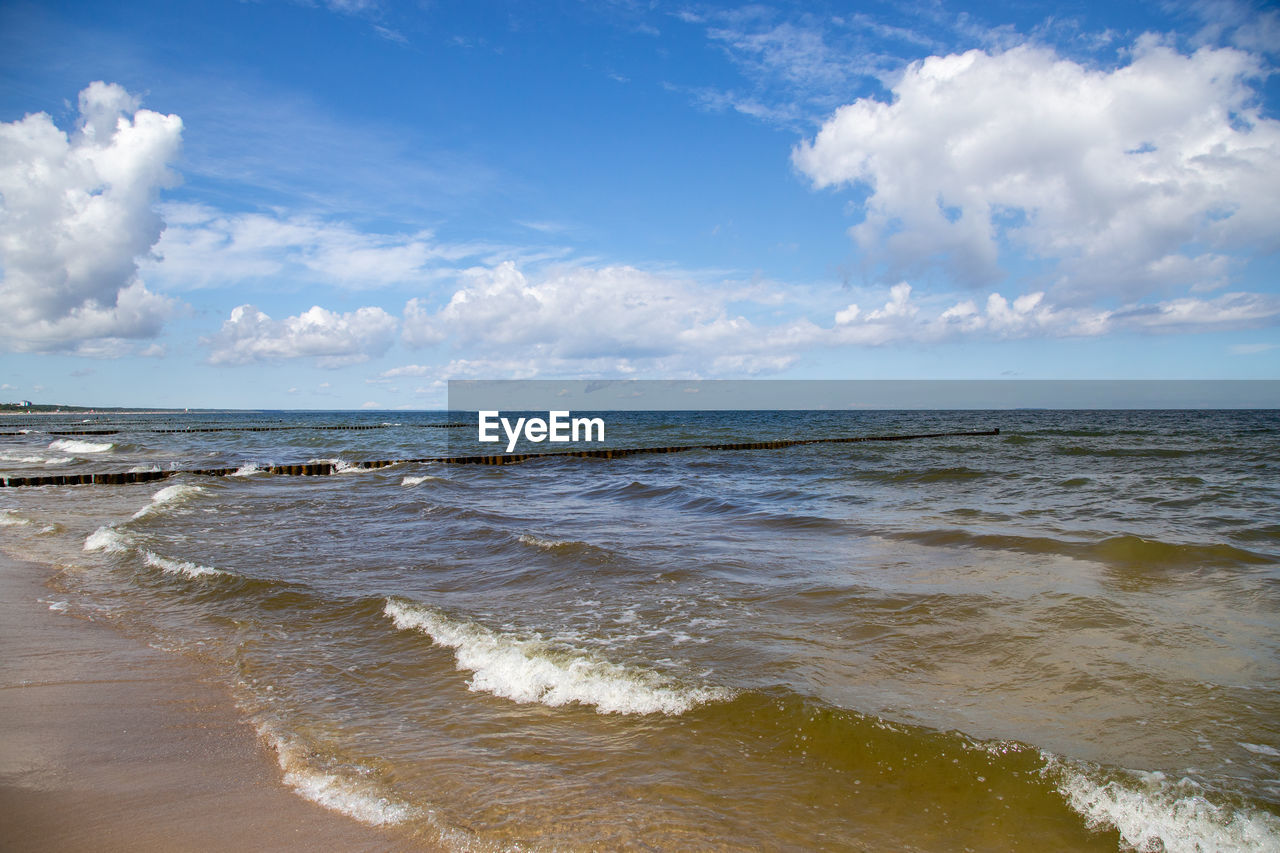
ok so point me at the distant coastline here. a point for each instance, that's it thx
(59, 409)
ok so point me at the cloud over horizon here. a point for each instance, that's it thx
(332, 339)
(1135, 181)
(77, 213)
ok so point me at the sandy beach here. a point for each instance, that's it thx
(111, 745)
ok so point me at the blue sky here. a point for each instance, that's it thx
(345, 204)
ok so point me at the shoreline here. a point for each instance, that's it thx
(109, 744)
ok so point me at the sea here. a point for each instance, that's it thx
(1062, 637)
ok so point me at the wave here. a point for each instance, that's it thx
(35, 460)
(925, 475)
(529, 669)
(111, 539)
(9, 518)
(633, 491)
(1153, 812)
(1031, 798)
(71, 445)
(114, 540)
(414, 481)
(179, 567)
(1124, 551)
(548, 544)
(340, 466)
(1261, 749)
(167, 496)
(354, 798)
(1125, 452)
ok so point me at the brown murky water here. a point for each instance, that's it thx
(1063, 637)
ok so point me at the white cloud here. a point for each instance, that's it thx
(620, 321)
(1138, 180)
(901, 319)
(203, 247)
(1252, 349)
(77, 212)
(407, 370)
(334, 340)
(609, 320)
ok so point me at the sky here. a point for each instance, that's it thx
(344, 204)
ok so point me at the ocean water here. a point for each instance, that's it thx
(1063, 637)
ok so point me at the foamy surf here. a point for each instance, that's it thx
(1261, 749)
(179, 567)
(544, 544)
(414, 481)
(1154, 813)
(340, 466)
(354, 798)
(167, 496)
(108, 538)
(9, 518)
(35, 460)
(113, 540)
(71, 445)
(531, 670)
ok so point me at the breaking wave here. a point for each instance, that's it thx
(71, 445)
(113, 540)
(1155, 813)
(166, 496)
(526, 669)
(352, 797)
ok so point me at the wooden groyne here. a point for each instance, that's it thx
(324, 469)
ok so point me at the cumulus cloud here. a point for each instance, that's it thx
(620, 321)
(76, 213)
(1133, 181)
(203, 247)
(607, 319)
(904, 319)
(333, 340)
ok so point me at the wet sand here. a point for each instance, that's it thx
(107, 744)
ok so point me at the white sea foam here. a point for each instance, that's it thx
(353, 798)
(107, 538)
(413, 481)
(525, 669)
(340, 466)
(246, 470)
(35, 460)
(1154, 813)
(544, 544)
(179, 567)
(1261, 749)
(9, 518)
(71, 445)
(168, 495)
(113, 540)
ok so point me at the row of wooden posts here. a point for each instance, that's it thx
(320, 469)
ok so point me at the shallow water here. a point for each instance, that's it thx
(1061, 637)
